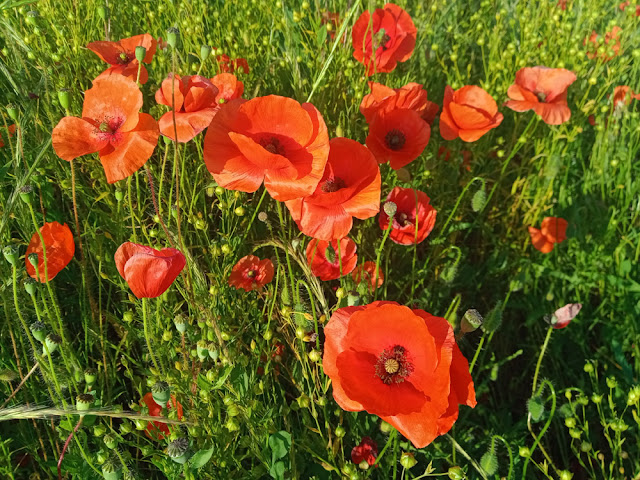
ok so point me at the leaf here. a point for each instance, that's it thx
(277, 470)
(201, 457)
(279, 443)
(321, 35)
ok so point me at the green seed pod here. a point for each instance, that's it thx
(12, 111)
(126, 428)
(38, 330)
(84, 401)
(26, 194)
(340, 431)
(102, 12)
(64, 98)
(110, 440)
(90, 376)
(178, 450)
(30, 286)
(161, 393)
(205, 51)
(390, 208)
(478, 200)
(32, 17)
(180, 321)
(51, 343)
(213, 351)
(11, 254)
(471, 321)
(111, 469)
(524, 452)
(315, 356)
(202, 351)
(535, 406)
(408, 460)
(141, 52)
(173, 35)
(33, 259)
(99, 430)
(489, 463)
(119, 195)
(456, 473)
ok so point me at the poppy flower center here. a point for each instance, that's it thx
(333, 185)
(393, 365)
(123, 58)
(381, 39)
(395, 139)
(541, 96)
(251, 273)
(272, 145)
(401, 220)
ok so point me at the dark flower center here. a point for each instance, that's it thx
(395, 140)
(333, 185)
(393, 366)
(381, 39)
(272, 145)
(123, 58)
(401, 220)
(251, 273)
(541, 96)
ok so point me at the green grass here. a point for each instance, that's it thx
(475, 258)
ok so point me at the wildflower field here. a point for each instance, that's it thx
(320, 239)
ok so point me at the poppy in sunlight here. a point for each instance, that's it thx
(111, 125)
(365, 273)
(611, 45)
(331, 260)
(624, 5)
(251, 273)
(230, 66)
(11, 130)
(59, 249)
(157, 429)
(543, 90)
(622, 95)
(195, 106)
(414, 217)
(121, 55)
(398, 137)
(562, 317)
(332, 20)
(553, 230)
(365, 451)
(383, 39)
(400, 364)
(384, 99)
(269, 139)
(468, 113)
(229, 88)
(349, 187)
(147, 271)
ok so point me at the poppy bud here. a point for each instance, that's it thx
(99, 430)
(102, 12)
(180, 322)
(524, 452)
(471, 321)
(110, 440)
(340, 431)
(315, 356)
(407, 460)
(161, 393)
(26, 194)
(10, 252)
(536, 408)
(90, 376)
(111, 469)
(202, 351)
(205, 51)
(32, 17)
(340, 293)
(84, 401)
(173, 35)
(478, 201)
(30, 286)
(12, 111)
(141, 52)
(64, 98)
(33, 259)
(213, 352)
(38, 330)
(119, 195)
(390, 208)
(456, 473)
(385, 427)
(51, 343)
(489, 463)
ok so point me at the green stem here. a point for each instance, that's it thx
(544, 347)
(146, 333)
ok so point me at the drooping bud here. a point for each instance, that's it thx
(173, 35)
(390, 208)
(161, 393)
(456, 473)
(178, 450)
(51, 343)
(205, 51)
(64, 98)
(26, 194)
(471, 321)
(38, 330)
(10, 253)
(30, 286)
(141, 52)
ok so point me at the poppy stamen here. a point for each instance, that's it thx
(333, 185)
(381, 39)
(251, 273)
(123, 58)
(272, 145)
(104, 127)
(395, 139)
(393, 366)
(541, 96)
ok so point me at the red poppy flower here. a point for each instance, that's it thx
(327, 258)
(398, 137)
(157, 430)
(384, 99)
(195, 106)
(609, 38)
(562, 4)
(58, 248)
(333, 19)
(365, 273)
(381, 41)
(553, 230)
(400, 364)
(366, 451)
(414, 218)
(622, 95)
(147, 271)
(468, 113)
(251, 273)
(229, 66)
(543, 90)
(11, 130)
(229, 87)
(347, 189)
(121, 55)
(110, 125)
(272, 139)
(624, 5)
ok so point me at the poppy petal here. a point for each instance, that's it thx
(74, 137)
(114, 98)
